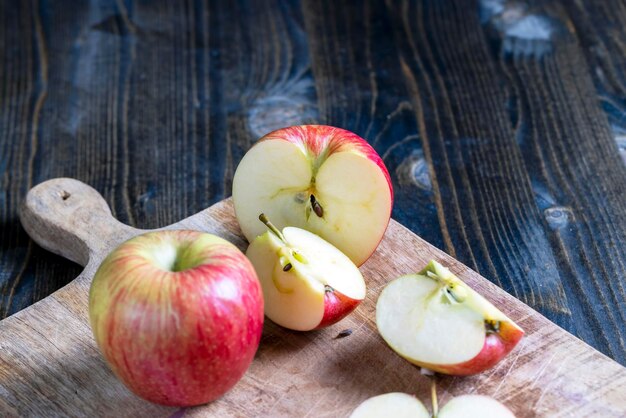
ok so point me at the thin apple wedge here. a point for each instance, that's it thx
(436, 321)
(307, 283)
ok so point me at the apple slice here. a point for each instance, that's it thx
(474, 406)
(395, 404)
(323, 179)
(400, 405)
(307, 283)
(436, 321)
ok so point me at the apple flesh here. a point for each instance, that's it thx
(474, 406)
(436, 321)
(401, 405)
(323, 179)
(307, 283)
(395, 404)
(177, 315)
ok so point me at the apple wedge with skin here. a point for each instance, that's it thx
(436, 321)
(402, 405)
(323, 179)
(307, 283)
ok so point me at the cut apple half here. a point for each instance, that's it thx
(323, 179)
(391, 405)
(307, 282)
(436, 321)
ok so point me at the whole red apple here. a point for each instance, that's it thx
(177, 315)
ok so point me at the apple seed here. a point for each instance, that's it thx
(344, 333)
(317, 208)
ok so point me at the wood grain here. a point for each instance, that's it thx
(476, 223)
(498, 121)
(49, 364)
(575, 207)
(604, 47)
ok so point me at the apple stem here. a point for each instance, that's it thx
(433, 397)
(272, 227)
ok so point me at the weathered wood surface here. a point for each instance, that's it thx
(50, 366)
(499, 121)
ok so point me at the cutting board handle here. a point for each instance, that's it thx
(70, 218)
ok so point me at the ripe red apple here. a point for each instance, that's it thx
(177, 315)
(307, 283)
(436, 321)
(323, 179)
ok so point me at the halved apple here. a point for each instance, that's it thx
(395, 404)
(323, 179)
(307, 282)
(436, 321)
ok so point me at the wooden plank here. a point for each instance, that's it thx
(487, 208)
(360, 87)
(24, 84)
(599, 29)
(525, 166)
(153, 103)
(49, 364)
(583, 198)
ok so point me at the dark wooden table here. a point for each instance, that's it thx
(501, 123)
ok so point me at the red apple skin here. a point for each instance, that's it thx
(336, 307)
(177, 338)
(496, 347)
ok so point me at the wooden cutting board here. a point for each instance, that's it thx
(50, 365)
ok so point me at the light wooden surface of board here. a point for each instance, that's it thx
(50, 365)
